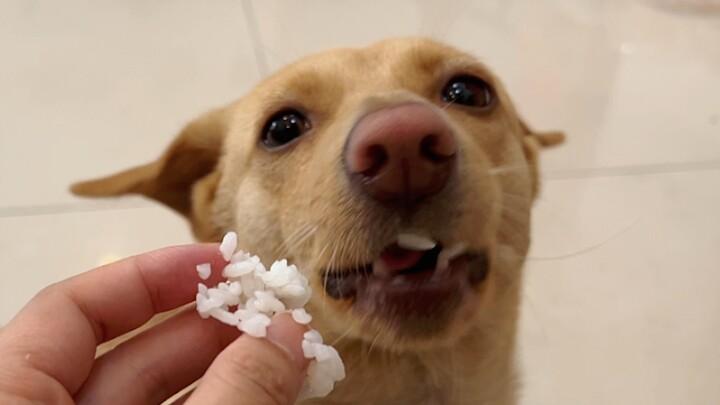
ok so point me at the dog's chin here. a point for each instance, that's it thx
(427, 304)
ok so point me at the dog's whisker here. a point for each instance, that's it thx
(515, 211)
(283, 245)
(505, 169)
(448, 104)
(308, 233)
(313, 268)
(523, 198)
(508, 218)
(535, 313)
(341, 337)
(372, 343)
(527, 197)
(589, 248)
(515, 206)
(510, 232)
(506, 250)
(328, 272)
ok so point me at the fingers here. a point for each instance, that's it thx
(122, 296)
(158, 363)
(257, 371)
(51, 343)
(57, 331)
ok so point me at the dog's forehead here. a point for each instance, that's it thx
(390, 62)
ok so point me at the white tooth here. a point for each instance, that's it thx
(415, 241)
(380, 269)
(447, 254)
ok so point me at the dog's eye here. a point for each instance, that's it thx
(283, 127)
(469, 91)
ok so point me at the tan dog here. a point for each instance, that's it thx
(327, 162)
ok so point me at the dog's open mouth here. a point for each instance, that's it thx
(415, 276)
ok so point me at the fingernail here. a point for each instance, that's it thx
(288, 335)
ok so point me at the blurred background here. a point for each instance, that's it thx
(622, 293)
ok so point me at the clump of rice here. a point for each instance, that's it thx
(251, 295)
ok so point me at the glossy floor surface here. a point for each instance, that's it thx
(622, 294)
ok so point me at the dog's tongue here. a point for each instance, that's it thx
(396, 258)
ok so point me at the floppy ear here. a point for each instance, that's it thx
(533, 142)
(184, 177)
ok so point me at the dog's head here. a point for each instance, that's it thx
(398, 177)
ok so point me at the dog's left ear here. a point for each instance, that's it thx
(184, 177)
(533, 142)
(542, 139)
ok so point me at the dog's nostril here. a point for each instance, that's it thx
(377, 155)
(430, 149)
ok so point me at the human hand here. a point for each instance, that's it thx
(47, 352)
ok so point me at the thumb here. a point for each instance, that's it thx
(257, 371)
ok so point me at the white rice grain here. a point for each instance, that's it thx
(301, 316)
(224, 316)
(235, 287)
(258, 294)
(228, 245)
(266, 302)
(255, 325)
(204, 270)
(415, 241)
(313, 336)
(202, 289)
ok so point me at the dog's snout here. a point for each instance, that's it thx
(401, 153)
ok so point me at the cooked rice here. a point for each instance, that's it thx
(415, 241)
(228, 245)
(203, 270)
(252, 295)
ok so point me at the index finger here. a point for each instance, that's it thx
(56, 333)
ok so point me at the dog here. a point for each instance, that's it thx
(400, 179)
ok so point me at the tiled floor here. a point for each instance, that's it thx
(622, 301)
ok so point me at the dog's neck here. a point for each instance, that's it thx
(478, 369)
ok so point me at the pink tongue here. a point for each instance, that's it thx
(397, 259)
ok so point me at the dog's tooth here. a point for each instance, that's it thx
(447, 254)
(415, 241)
(456, 250)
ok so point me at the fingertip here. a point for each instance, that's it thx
(257, 370)
(287, 334)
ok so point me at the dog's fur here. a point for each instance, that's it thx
(297, 203)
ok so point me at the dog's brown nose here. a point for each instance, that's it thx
(404, 152)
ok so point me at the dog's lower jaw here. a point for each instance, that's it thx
(478, 368)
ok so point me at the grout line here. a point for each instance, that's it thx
(555, 175)
(665, 168)
(255, 38)
(70, 208)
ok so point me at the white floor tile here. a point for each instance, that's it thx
(634, 320)
(89, 89)
(38, 250)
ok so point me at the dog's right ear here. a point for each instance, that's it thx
(184, 177)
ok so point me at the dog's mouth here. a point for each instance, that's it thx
(415, 279)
